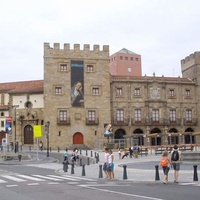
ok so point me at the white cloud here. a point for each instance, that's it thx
(163, 32)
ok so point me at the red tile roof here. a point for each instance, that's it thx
(36, 86)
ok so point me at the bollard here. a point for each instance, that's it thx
(20, 157)
(50, 149)
(195, 177)
(58, 149)
(124, 172)
(80, 161)
(100, 171)
(91, 154)
(83, 170)
(65, 166)
(29, 148)
(86, 153)
(157, 177)
(96, 157)
(88, 161)
(72, 168)
(80, 151)
(95, 154)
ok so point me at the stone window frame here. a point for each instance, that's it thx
(187, 93)
(137, 92)
(90, 67)
(64, 67)
(172, 93)
(96, 90)
(58, 90)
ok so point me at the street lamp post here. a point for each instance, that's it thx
(15, 106)
(47, 136)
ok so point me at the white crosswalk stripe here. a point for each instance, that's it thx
(39, 178)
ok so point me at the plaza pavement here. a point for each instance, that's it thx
(137, 169)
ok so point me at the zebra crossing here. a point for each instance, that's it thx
(12, 180)
(189, 184)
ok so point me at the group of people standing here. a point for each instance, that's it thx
(172, 160)
(108, 166)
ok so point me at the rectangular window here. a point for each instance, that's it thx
(58, 90)
(188, 115)
(95, 91)
(126, 58)
(63, 67)
(155, 115)
(63, 115)
(172, 115)
(119, 91)
(137, 92)
(187, 93)
(91, 115)
(90, 68)
(137, 115)
(136, 59)
(2, 123)
(171, 93)
(131, 58)
(121, 57)
(120, 115)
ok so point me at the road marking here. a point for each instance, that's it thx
(53, 183)
(72, 183)
(30, 177)
(82, 178)
(186, 183)
(33, 184)
(13, 178)
(2, 181)
(66, 178)
(121, 193)
(11, 185)
(49, 178)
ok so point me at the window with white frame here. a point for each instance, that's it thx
(171, 93)
(137, 92)
(172, 115)
(187, 93)
(63, 115)
(90, 68)
(120, 115)
(155, 115)
(63, 67)
(91, 115)
(188, 115)
(119, 92)
(138, 115)
(95, 91)
(58, 90)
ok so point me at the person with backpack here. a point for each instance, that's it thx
(164, 163)
(176, 160)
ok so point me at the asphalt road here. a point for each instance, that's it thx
(24, 182)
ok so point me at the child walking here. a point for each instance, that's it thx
(164, 163)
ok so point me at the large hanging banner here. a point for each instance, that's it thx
(77, 83)
(8, 125)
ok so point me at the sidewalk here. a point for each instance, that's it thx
(137, 169)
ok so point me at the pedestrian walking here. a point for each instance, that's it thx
(176, 161)
(105, 165)
(165, 163)
(65, 155)
(111, 165)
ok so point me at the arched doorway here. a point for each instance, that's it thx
(139, 138)
(157, 139)
(28, 134)
(172, 139)
(189, 138)
(119, 134)
(78, 138)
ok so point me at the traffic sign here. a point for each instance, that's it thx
(4, 141)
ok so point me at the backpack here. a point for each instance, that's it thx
(164, 161)
(175, 156)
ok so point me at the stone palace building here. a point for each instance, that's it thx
(85, 90)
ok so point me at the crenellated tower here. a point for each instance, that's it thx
(80, 113)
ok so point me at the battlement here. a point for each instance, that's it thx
(192, 58)
(76, 47)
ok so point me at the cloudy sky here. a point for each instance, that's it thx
(162, 31)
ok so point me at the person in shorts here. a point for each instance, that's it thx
(105, 165)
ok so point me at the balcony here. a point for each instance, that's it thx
(191, 122)
(65, 122)
(123, 122)
(92, 121)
